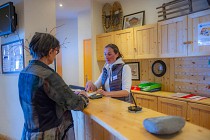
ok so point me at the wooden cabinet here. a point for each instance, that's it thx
(134, 43)
(199, 114)
(178, 37)
(172, 107)
(193, 21)
(146, 101)
(124, 40)
(101, 41)
(172, 35)
(145, 41)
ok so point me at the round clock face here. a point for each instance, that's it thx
(159, 68)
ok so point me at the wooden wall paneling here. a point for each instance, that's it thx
(192, 75)
(151, 76)
(144, 70)
(165, 78)
(97, 131)
(108, 136)
(171, 70)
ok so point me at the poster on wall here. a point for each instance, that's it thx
(204, 34)
(12, 56)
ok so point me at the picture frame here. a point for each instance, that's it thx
(132, 20)
(135, 70)
(12, 57)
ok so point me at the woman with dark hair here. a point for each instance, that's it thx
(115, 78)
(46, 100)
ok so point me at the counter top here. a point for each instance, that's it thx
(113, 115)
(166, 94)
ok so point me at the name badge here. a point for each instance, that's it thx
(114, 77)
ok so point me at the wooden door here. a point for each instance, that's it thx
(199, 114)
(193, 21)
(87, 60)
(101, 41)
(172, 37)
(59, 63)
(124, 40)
(145, 41)
(172, 107)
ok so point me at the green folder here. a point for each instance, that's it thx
(150, 86)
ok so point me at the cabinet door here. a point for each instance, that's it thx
(199, 114)
(145, 41)
(193, 21)
(172, 107)
(146, 101)
(172, 37)
(101, 41)
(124, 40)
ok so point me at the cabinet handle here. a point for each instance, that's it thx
(188, 42)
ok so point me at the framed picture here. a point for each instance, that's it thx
(12, 56)
(135, 70)
(135, 19)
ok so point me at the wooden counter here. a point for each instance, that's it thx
(113, 116)
(166, 94)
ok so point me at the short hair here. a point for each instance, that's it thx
(115, 48)
(41, 43)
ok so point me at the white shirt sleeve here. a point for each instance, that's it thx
(126, 78)
(98, 81)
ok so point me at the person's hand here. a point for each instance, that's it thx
(83, 93)
(101, 91)
(90, 86)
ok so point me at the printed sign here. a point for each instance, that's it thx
(204, 34)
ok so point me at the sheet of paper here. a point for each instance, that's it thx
(90, 93)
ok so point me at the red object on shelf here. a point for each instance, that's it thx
(187, 96)
(135, 88)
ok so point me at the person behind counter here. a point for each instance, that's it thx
(115, 78)
(44, 96)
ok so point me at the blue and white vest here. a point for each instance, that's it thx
(116, 83)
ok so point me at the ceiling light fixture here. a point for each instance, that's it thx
(60, 4)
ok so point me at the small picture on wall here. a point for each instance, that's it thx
(135, 19)
(135, 70)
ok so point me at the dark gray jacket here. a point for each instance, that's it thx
(46, 100)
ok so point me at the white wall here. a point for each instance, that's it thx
(32, 17)
(11, 116)
(67, 34)
(84, 32)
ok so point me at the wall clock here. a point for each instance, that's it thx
(159, 68)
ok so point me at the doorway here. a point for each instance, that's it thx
(87, 60)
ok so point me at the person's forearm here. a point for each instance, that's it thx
(121, 93)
